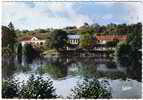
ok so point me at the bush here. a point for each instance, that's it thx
(89, 89)
(9, 89)
(37, 88)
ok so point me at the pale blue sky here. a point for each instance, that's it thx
(32, 15)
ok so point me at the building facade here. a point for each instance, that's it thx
(74, 39)
(33, 41)
(103, 39)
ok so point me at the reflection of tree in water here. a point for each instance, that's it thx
(56, 69)
(24, 69)
(88, 68)
(8, 67)
(134, 69)
(29, 60)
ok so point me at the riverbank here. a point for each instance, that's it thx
(51, 53)
(79, 53)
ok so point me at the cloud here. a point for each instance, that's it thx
(30, 4)
(34, 15)
(31, 15)
(135, 12)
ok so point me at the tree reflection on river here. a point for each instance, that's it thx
(67, 71)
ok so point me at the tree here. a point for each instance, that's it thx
(37, 87)
(112, 43)
(90, 88)
(8, 40)
(9, 89)
(135, 36)
(12, 35)
(6, 36)
(86, 41)
(57, 39)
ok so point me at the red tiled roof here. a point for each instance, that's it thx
(112, 37)
(25, 38)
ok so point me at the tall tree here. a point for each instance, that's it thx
(86, 41)
(12, 35)
(57, 39)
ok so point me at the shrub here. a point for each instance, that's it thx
(89, 89)
(37, 88)
(9, 89)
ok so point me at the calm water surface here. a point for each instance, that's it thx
(123, 82)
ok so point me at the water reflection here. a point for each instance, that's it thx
(64, 69)
(56, 69)
(8, 67)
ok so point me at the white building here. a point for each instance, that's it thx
(32, 40)
(74, 39)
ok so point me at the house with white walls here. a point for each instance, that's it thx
(33, 40)
(74, 39)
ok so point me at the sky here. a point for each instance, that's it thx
(33, 15)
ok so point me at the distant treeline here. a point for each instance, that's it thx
(90, 29)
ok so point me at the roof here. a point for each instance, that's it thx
(26, 38)
(74, 36)
(112, 37)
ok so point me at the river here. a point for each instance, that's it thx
(124, 82)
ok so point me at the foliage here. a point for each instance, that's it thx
(112, 43)
(135, 36)
(86, 41)
(90, 88)
(37, 88)
(6, 51)
(8, 37)
(9, 89)
(122, 53)
(94, 28)
(12, 35)
(57, 39)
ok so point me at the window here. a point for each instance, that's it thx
(41, 43)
